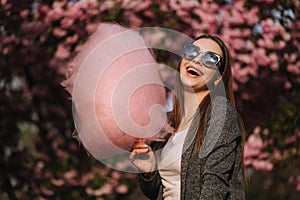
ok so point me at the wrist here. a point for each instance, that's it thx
(148, 175)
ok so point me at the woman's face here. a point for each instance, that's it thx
(193, 73)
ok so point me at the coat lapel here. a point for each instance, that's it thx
(187, 151)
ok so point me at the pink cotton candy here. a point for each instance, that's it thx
(117, 92)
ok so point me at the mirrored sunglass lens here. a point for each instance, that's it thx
(190, 52)
(210, 59)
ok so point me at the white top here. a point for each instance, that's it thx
(169, 166)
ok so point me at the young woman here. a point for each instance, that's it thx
(203, 159)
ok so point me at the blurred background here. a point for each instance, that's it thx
(39, 159)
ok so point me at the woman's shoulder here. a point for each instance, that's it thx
(222, 126)
(222, 109)
(221, 103)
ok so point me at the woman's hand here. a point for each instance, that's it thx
(142, 157)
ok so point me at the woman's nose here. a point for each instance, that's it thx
(197, 60)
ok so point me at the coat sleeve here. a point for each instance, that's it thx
(221, 151)
(150, 184)
(217, 172)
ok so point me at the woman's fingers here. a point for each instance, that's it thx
(143, 158)
(138, 151)
(132, 154)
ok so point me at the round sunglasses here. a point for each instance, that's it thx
(209, 59)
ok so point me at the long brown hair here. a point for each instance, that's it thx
(225, 71)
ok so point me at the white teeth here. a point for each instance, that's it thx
(193, 71)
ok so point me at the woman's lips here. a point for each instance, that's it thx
(193, 71)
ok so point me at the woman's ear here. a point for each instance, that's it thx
(218, 80)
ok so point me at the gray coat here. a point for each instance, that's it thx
(216, 172)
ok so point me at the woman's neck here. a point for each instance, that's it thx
(191, 104)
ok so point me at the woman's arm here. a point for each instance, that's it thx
(150, 184)
(143, 158)
(218, 171)
(221, 150)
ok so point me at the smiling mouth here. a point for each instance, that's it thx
(193, 71)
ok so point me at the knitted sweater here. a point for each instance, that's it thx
(216, 172)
